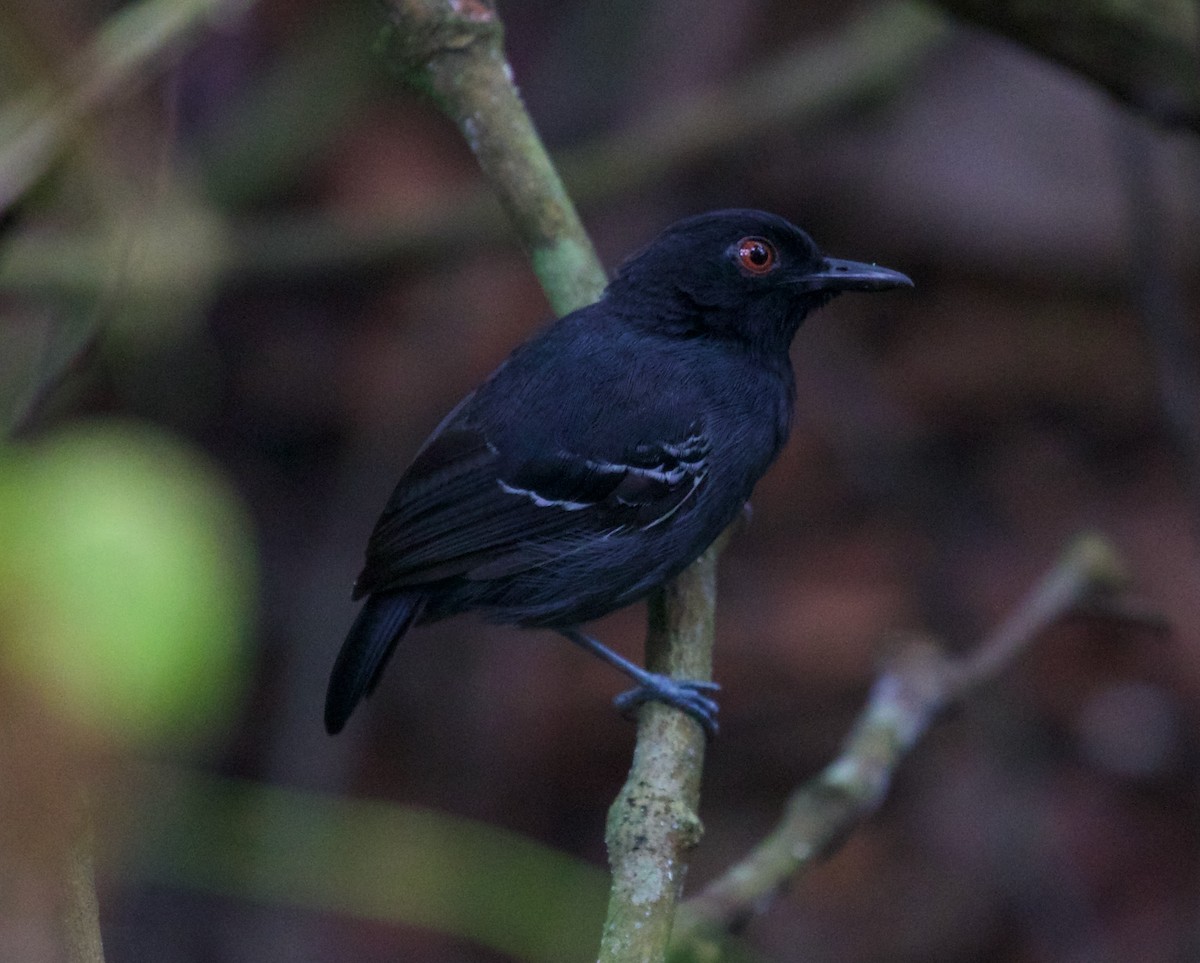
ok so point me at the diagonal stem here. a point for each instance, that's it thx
(909, 693)
(452, 50)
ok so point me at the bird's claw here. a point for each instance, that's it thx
(686, 695)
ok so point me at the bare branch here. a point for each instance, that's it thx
(918, 682)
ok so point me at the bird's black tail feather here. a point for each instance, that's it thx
(381, 623)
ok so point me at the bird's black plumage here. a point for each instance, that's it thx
(606, 453)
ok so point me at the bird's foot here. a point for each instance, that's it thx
(687, 695)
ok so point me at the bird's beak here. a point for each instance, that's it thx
(837, 275)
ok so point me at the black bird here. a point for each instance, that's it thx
(604, 455)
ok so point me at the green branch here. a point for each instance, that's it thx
(454, 52)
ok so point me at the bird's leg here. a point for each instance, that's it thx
(687, 695)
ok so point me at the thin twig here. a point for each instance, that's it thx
(919, 681)
(1089, 569)
(865, 60)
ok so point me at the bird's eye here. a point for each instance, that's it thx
(756, 255)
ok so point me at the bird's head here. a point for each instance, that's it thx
(743, 274)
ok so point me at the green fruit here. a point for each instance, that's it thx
(126, 580)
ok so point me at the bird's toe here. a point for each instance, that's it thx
(687, 695)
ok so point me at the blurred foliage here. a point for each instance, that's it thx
(371, 860)
(258, 241)
(127, 580)
(321, 79)
(132, 44)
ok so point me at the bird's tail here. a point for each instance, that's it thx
(381, 623)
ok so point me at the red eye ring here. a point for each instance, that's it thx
(756, 255)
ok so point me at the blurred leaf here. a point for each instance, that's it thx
(126, 580)
(376, 861)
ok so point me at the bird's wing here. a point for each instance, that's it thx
(465, 509)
